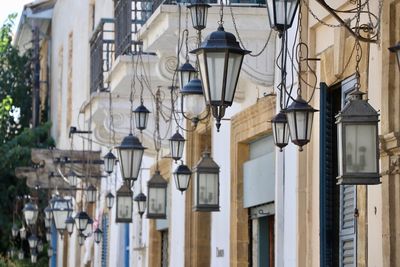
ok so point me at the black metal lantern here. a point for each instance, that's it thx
(48, 236)
(206, 184)
(81, 221)
(198, 13)
(91, 194)
(14, 230)
(49, 252)
(281, 13)
(98, 235)
(109, 162)
(69, 222)
(186, 73)
(62, 209)
(140, 199)
(130, 157)
(396, 49)
(220, 60)
(124, 204)
(176, 144)
(192, 100)
(157, 197)
(182, 177)
(141, 117)
(30, 211)
(33, 241)
(72, 178)
(280, 130)
(358, 143)
(22, 233)
(48, 213)
(300, 118)
(110, 200)
(34, 256)
(81, 239)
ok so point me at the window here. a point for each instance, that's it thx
(337, 203)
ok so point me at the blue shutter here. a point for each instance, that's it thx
(104, 245)
(347, 250)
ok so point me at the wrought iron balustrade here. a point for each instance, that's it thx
(101, 54)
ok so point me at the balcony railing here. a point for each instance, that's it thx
(101, 54)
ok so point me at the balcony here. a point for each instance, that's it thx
(101, 54)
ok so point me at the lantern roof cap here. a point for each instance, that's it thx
(194, 87)
(198, 3)
(141, 109)
(186, 67)
(177, 137)
(98, 231)
(91, 188)
(130, 142)
(183, 169)
(157, 180)
(207, 163)
(124, 190)
(69, 220)
(299, 104)
(395, 48)
(82, 215)
(109, 195)
(280, 117)
(109, 155)
(221, 40)
(30, 206)
(357, 110)
(141, 197)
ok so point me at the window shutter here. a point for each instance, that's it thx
(104, 245)
(347, 226)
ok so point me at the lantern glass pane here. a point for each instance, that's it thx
(109, 165)
(91, 196)
(29, 214)
(141, 206)
(215, 68)
(360, 148)
(194, 104)
(309, 124)
(292, 126)
(282, 17)
(141, 119)
(184, 78)
(232, 75)
(281, 132)
(88, 230)
(130, 162)
(202, 66)
(124, 207)
(182, 181)
(340, 148)
(208, 188)
(177, 149)
(157, 199)
(198, 14)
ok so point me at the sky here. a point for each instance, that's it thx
(12, 6)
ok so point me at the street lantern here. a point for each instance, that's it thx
(109, 162)
(81, 221)
(91, 194)
(69, 222)
(281, 13)
(182, 177)
(186, 72)
(280, 130)
(89, 228)
(396, 49)
(47, 223)
(300, 118)
(141, 117)
(72, 178)
(140, 199)
(40, 246)
(98, 235)
(50, 252)
(14, 230)
(110, 200)
(192, 100)
(176, 144)
(33, 241)
(34, 256)
(124, 204)
(220, 59)
(198, 13)
(62, 209)
(30, 213)
(81, 239)
(21, 255)
(206, 184)
(157, 197)
(48, 236)
(22, 232)
(130, 157)
(358, 143)
(48, 214)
